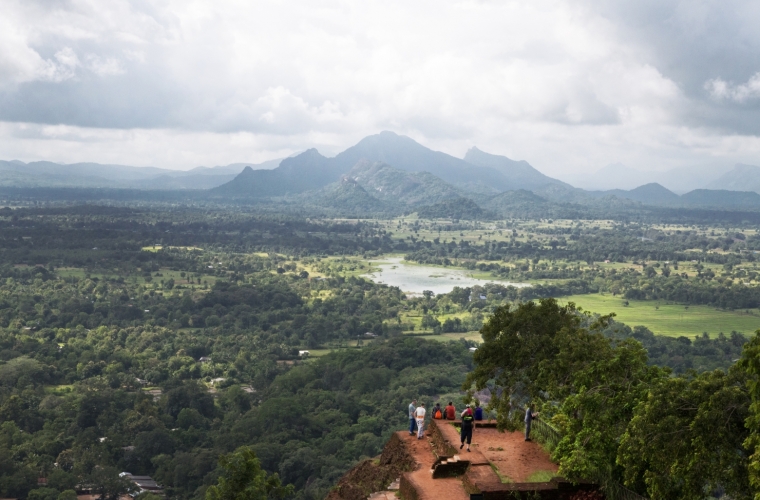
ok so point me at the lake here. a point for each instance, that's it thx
(415, 278)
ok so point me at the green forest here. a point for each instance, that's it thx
(155, 339)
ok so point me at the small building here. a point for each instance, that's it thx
(370, 334)
(143, 483)
(473, 349)
(204, 359)
(156, 393)
(303, 354)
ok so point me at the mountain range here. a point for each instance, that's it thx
(16, 173)
(391, 173)
(679, 180)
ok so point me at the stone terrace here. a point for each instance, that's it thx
(501, 465)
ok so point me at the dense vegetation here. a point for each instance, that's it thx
(154, 339)
(619, 418)
(309, 422)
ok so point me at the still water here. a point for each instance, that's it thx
(415, 279)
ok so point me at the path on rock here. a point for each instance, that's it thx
(431, 489)
(515, 458)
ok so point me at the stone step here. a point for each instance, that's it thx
(383, 495)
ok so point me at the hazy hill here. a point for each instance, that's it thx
(305, 172)
(49, 174)
(648, 194)
(618, 176)
(236, 168)
(519, 174)
(310, 170)
(391, 184)
(716, 198)
(740, 178)
(193, 181)
(405, 153)
(684, 179)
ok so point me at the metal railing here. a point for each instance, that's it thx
(546, 434)
(616, 491)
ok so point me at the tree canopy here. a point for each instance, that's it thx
(620, 418)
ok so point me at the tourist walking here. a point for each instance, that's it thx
(529, 417)
(467, 423)
(412, 423)
(420, 414)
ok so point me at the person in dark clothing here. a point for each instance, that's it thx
(450, 413)
(478, 412)
(529, 417)
(467, 423)
(412, 423)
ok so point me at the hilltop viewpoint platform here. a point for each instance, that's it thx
(500, 465)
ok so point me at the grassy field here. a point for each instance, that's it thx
(449, 337)
(672, 320)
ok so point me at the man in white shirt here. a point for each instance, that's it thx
(419, 414)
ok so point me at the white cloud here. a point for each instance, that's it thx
(721, 89)
(562, 83)
(108, 66)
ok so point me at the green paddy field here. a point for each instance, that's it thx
(672, 320)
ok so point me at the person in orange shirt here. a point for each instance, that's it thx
(450, 413)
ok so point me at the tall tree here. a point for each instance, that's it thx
(750, 363)
(685, 439)
(244, 479)
(587, 384)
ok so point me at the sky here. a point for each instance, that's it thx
(568, 85)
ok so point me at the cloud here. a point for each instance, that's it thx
(720, 89)
(105, 66)
(566, 84)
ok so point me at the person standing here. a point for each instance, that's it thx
(467, 422)
(420, 414)
(412, 424)
(450, 413)
(529, 417)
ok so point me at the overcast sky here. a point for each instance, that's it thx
(569, 86)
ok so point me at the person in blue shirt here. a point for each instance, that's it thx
(478, 412)
(412, 422)
(529, 417)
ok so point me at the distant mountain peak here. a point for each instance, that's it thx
(522, 175)
(742, 177)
